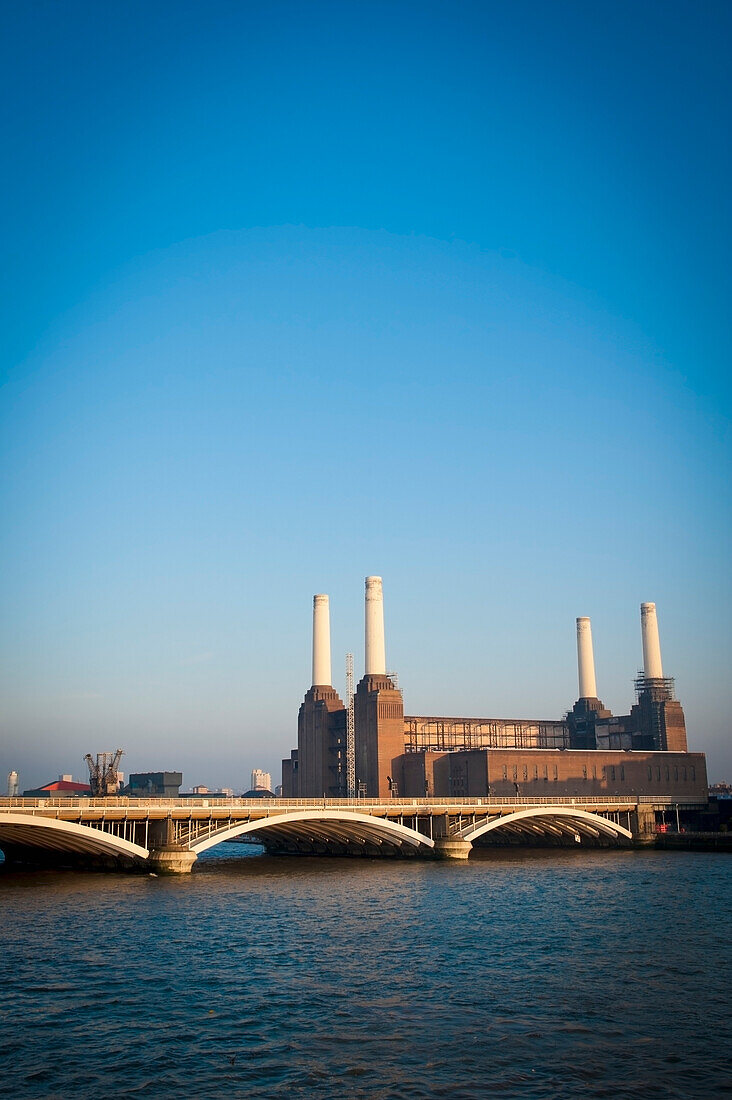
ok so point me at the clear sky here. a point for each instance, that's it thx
(298, 292)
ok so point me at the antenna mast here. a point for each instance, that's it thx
(350, 730)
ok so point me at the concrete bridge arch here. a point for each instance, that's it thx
(551, 821)
(324, 827)
(52, 835)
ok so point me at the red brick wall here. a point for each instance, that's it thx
(546, 773)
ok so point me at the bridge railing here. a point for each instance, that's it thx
(397, 805)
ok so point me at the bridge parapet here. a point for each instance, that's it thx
(404, 804)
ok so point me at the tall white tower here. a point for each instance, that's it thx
(585, 660)
(321, 641)
(375, 646)
(652, 667)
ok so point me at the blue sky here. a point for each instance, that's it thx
(301, 292)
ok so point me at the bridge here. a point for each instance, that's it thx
(168, 834)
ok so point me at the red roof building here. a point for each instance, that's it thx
(62, 788)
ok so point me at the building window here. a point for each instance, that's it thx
(536, 771)
(526, 771)
(667, 775)
(594, 771)
(650, 772)
(684, 775)
(546, 771)
(584, 771)
(693, 774)
(515, 772)
(555, 772)
(612, 772)
(505, 771)
(622, 773)
(658, 773)
(676, 775)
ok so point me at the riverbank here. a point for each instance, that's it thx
(696, 842)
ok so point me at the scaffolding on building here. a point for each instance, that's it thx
(660, 688)
(350, 730)
(432, 734)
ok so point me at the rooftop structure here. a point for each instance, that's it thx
(63, 786)
(154, 784)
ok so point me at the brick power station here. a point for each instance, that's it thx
(589, 752)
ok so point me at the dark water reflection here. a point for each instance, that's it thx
(516, 974)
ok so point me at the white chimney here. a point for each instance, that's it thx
(321, 641)
(585, 660)
(652, 667)
(375, 649)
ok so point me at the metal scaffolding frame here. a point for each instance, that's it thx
(350, 730)
(433, 734)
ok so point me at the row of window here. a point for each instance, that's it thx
(389, 710)
(525, 775)
(683, 771)
(615, 773)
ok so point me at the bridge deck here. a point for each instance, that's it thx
(265, 807)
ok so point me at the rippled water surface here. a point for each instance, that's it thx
(516, 974)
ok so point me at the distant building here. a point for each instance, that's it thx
(63, 787)
(720, 806)
(13, 784)
(261, 780)
(201, 790)
(154, 785)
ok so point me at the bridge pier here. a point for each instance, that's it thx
(452, 847)
(166, 856)
(171, 860)
(643, 826)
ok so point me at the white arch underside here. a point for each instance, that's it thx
(552, 820)
(52, 834)
(313, 827)
(323, 827)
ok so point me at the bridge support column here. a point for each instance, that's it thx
(643, 826)
(166, 856)
(170, 860)
(452, 847)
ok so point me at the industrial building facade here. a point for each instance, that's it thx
(589, 752)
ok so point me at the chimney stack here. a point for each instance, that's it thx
(321, 641)
(585, 660)
(375, 649)
(652, 667)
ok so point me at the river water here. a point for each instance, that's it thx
(520, 973)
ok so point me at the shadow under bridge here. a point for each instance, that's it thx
(31, 837)
(548, 824)
(317, 832)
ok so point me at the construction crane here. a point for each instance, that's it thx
(103, 772)
(350, 730)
